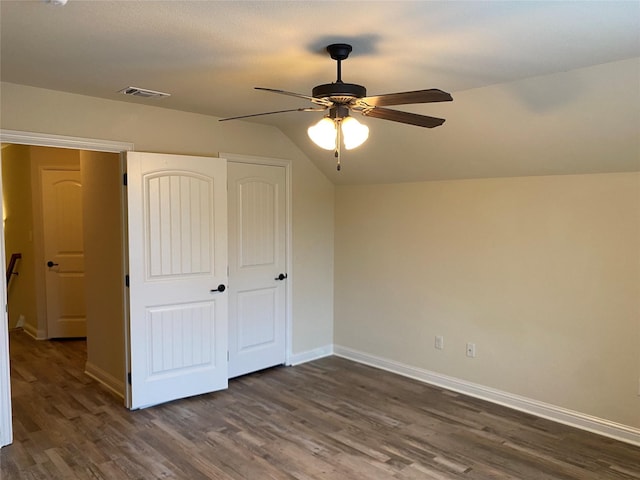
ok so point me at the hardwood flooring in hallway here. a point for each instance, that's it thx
(327, 419)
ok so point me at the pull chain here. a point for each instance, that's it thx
(336, 153)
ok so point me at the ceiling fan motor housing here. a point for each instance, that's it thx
(334, 91)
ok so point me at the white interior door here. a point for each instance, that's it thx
(64, 253)
(178, 274)
(257, 267)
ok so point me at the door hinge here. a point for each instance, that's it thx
(129, 377)
(126, 281)
(124, 179)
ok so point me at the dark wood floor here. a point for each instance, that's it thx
(328, 419)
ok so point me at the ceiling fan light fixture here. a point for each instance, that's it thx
(354, 133)
(324, 133)
(341, 99)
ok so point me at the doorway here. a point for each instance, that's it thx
(48, 192)
(98, 148)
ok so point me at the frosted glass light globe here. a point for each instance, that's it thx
(324, 133)
(354, 133)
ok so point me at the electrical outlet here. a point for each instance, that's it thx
(439, 343)
(471, 350)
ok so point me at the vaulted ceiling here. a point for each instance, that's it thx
(529, 77)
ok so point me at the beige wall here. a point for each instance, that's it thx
(541, 273)
(18, 229)
(312, 258)
(161, 130)
(104, 273)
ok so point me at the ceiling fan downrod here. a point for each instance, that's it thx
(333, 91)
(339, 52)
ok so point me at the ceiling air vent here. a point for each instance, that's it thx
(143, 92)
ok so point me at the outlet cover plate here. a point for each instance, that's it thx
(471, 350)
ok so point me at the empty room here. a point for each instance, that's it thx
(320, 239)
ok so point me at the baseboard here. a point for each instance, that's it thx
(109, 381)
(310, 355)
(33, 332)
(565, 416)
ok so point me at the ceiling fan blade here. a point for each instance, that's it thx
(319, 101)
(318, 109)
(403, 117)
(404, 98)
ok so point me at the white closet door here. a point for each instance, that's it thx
(257, 267)
(178, 276)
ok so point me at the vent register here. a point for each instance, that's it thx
(143, 92)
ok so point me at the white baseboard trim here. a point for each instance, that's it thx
(310, 355)
(109, 381)
(565, 416)
(33, 332)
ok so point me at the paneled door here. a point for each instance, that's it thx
(64, 253)
(257, 267)
(177, 207)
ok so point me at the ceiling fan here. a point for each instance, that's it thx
(340, 99)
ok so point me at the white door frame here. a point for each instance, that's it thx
(286, 164)
(42, 140)
(6, 428)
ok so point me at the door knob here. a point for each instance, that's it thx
(221, 288)
(282, 276)
(51, 264)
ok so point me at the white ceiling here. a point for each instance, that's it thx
(210, 54)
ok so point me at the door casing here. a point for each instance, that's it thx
(6, 427)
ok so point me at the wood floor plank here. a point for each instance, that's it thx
(328, 419)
